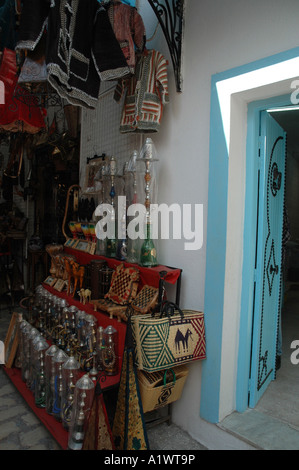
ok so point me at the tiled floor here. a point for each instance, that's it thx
(274, 423)
(20, 429)
(262, 430)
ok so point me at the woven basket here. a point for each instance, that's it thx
(163, 343)
(146, 300)
(161, 388)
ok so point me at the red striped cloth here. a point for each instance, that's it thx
(145, 94)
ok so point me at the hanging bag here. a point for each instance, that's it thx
(168, 338)
(159, 389)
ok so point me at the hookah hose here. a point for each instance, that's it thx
(56, 409)
(49, 396)
(42, 399)
(67, 412)
(67, 409)
(21, 303)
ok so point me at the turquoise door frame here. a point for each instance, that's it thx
(250, 239)
(217, 242)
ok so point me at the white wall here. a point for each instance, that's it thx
(219, 35)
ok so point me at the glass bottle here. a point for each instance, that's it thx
(25, 347)
(50, 373)
(70, 376)
(58, 360)
(39, 373)
(148, 155)
(133, 248)
(22, 325)
(79, 327)
(32, 365)
(109, 356)
(72, 320)
(30, 356)
(100, 347)
(111, 240)
(91, 343)
(83, 397)
(55, 319)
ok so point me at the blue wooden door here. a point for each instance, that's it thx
(268, 269)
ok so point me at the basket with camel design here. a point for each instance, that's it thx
(164, 340)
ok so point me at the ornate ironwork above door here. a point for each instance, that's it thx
(170, 14)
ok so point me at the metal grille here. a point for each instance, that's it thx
(100, 132)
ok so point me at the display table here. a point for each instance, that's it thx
(148, 276)
(107, 382)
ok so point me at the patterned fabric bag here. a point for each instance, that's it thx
(168, 339)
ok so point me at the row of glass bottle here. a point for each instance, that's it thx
(54, 379)
(75, 332)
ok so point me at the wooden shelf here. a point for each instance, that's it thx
(150, 276)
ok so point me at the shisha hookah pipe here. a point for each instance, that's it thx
(68, 405)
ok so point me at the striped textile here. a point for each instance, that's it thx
(145, 94)
(129, 30)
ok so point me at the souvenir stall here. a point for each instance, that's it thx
(39, 148)
(102, 340)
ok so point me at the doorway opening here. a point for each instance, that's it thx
(280, 399)
(237, 96)
(273, 423)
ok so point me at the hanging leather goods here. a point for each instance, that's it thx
(72, 116)
(75, 189)
(15, 160)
